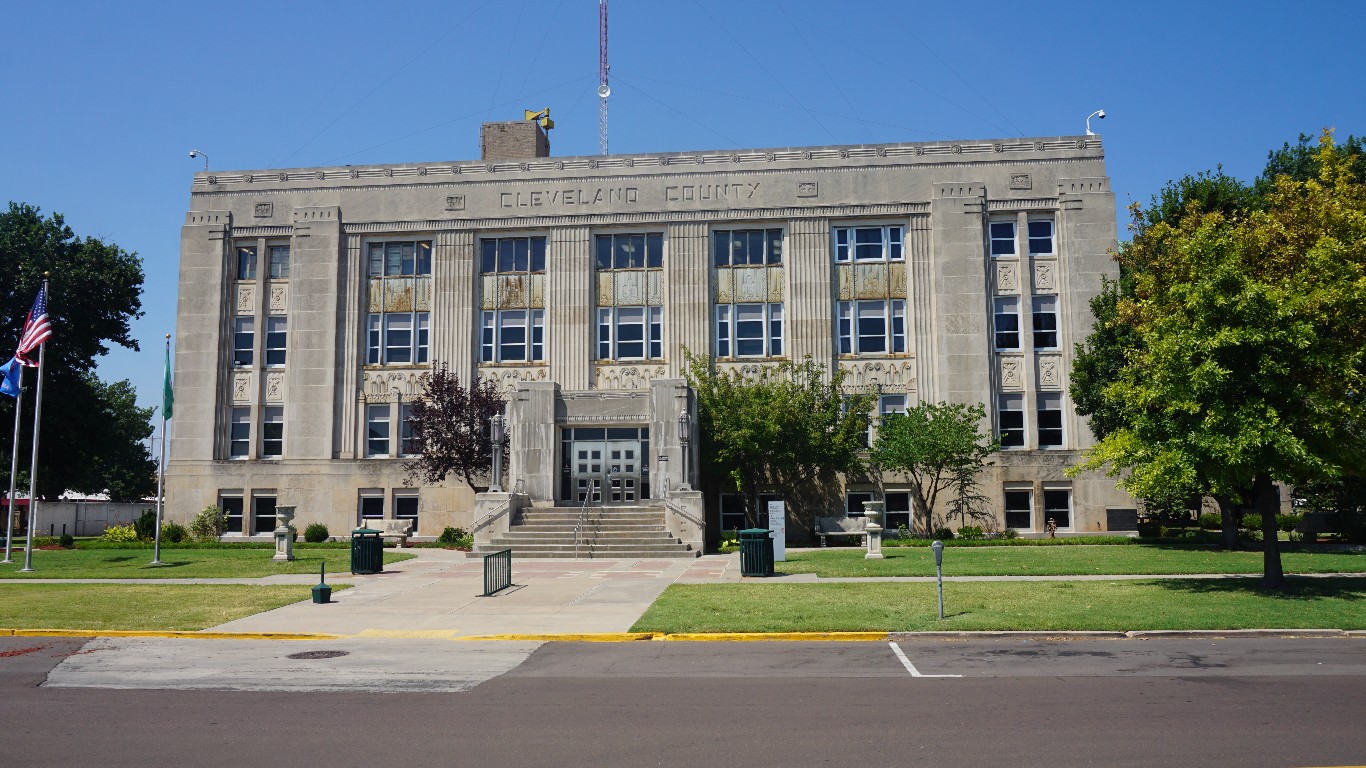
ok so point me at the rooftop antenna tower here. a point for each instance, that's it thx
(604, 90)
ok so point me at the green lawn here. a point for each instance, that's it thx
(180, 563)
(1057, 605)
(138, 606)
(1153, 559)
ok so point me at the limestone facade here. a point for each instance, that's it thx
(312, 301)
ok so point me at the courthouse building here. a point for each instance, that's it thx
(313, 300)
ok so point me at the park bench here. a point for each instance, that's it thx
(399, 530)
(840, 526)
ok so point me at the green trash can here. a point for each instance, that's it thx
(367, 551)
(756, 552)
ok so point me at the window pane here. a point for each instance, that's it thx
(372, 507)
(538, 334)
(1002, 238)
(1007, 323)
(512, 335)
(868, 244)
(894, 244)
(749, 330)
(775, 329)
(775, 246)
(723, 331)
(375, 260)
(604, 251)
(377, 430)
(246, 263)
(872, 327)
(486, 340)
(1045, 322)
(405, 508)
(1018, 510)
(654, 247)
(488, 255)
(279, 262)
(604, 334)
(424, 258)
(1011, 418)
(842, 244)
(239, 433)
(1057, 506)
(538, 254)
(243, 340)
(393, 259)
(272, 431)
(373, 340)
(506, 255)
(398, 338)
(721, 249)
(1041, 237)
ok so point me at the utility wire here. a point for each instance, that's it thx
(498, 84)
(386, 80)
(726, 28)
(853, 113)
(532, 67)
(680, 112)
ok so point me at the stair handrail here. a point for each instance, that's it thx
(493, 514)
(583, 513)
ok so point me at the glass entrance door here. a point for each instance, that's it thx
(605, 465)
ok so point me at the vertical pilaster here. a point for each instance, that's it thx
(453, 303)
(1085, 228)
(687, 303)
(569, 307)
(920, 289)
(202, 374)
(323, 314)
(809, 328)
(957, 216)
(351, 330)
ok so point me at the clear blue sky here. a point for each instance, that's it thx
(103, 101)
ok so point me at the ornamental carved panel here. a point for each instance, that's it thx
(507, 379)
(1044, 277)
(1012, 373)
(246, 299)
(1007, 278)
(386, 386)
(241, 387)
(890, 376)
(1050, 373)
(275, 387)
(279, 299)
(627, 377)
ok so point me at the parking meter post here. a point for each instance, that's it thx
(938, 548)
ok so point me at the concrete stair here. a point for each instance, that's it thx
(608, 532)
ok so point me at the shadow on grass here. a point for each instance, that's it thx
(1296, 588)
(124, 559)
(167, 564)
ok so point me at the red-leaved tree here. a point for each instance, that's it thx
(450, 427)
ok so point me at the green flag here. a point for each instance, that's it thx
(167, 394)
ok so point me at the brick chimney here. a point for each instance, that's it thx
(514, 140)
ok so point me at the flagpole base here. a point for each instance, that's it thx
(27, 570)
(6, 562)
(156, 562)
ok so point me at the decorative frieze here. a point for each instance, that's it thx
(279, 299)
(384, 386)
(1012, 373)
(627, 377)
(1050, 372)
(1045, 273)
(241, 387)
(890, 376)
(246, 299)
(507, 378)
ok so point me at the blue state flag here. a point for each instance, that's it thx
(9, 377)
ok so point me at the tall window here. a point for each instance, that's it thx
(276, 332)
(263, 513)
(398, 337)
(377, 430)
(371, 505)
(279, 262)
(512, 255)
(405, 508)
(898, 510)
(853, 502)
(749, 330)
(1010, 416)
(246, 262)
(1002, 238)
(239, 433)
(400, 259)
(886, 406)
(1041, 237)
(1045, 322)
(1019, 509)
(629, 296)
(232, 510)
(1050, 419)
(512, 335)
(272, 432)
(748, 247)
(1057, 506)
(872, 327)
(1007, 322)
(243, 340)
(868, 244)
(407, 446)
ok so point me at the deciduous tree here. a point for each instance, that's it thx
(450, 427)
(939, 447)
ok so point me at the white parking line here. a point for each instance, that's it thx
(909, 666)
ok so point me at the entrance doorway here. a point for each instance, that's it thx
(605, 465)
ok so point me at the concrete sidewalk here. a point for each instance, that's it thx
(436, 595)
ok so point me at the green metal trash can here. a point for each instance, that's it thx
(756, 552)
(367, 551)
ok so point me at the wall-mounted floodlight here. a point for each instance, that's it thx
(198, 153)
(1100, 113)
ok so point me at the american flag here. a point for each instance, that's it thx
(37, 329)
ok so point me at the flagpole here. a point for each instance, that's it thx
(161, 468)
(33, 463)
(13, 471)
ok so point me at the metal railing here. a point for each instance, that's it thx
(583, 514)
(497, 571)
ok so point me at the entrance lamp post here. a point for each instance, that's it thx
(498, 431)
(684, 432)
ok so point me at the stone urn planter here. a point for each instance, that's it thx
(873, 512)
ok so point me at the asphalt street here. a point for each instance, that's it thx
(1198, 702)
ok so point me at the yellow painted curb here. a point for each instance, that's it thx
(593, 637)
(167, 633)
(805, 637)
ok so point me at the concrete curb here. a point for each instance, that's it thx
(1019, 634)
(167, 633)
(1182, 634)
(582, 637)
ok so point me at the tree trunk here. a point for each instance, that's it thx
(1265, 493)
(922, 511)
(1228, 521)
